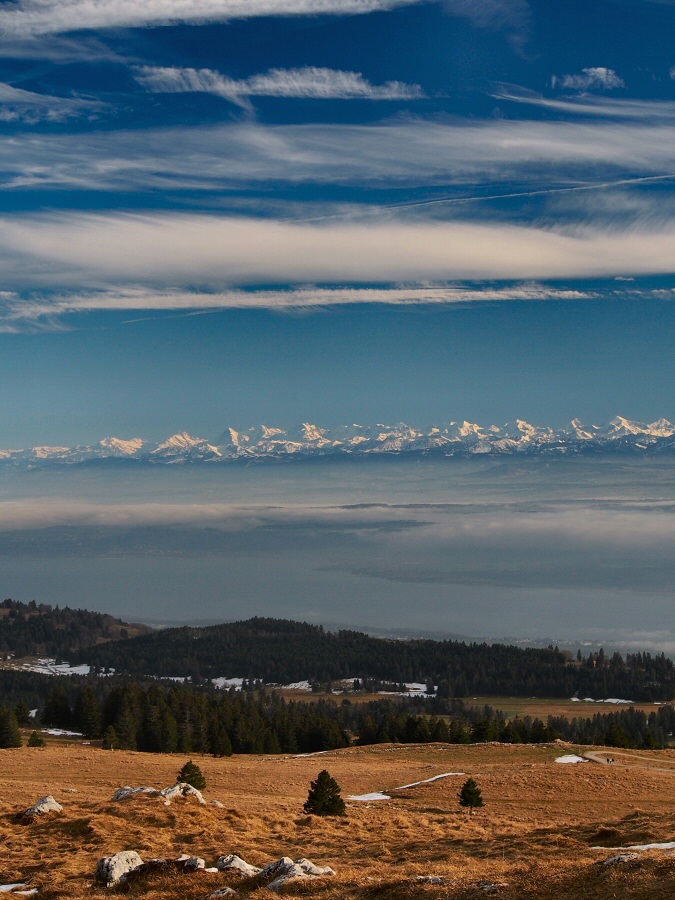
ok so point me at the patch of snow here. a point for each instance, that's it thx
(227, 682)
(376, 795)
(428, 780)
(668, 845)
(571, 758)
(49, 667)
(6, 888)
(61, 732)
(307, 755)
(298, 686)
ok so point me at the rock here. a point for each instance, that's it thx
(223, 892)
(217, 804)
(45, 805)
(430, 879)
(233, 863)
(284, 870)
(124, 792)
(489, 887)
(279, 867)
(309, 868)
(191, 863)
(621, 858)
(182, 789)
(295, 873)
(112, 869)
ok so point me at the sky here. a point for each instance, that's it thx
(222, 212)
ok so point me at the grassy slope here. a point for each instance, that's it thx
(535, 832)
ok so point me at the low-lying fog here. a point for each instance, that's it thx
(566, 549)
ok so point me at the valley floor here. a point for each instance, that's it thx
(537, 834)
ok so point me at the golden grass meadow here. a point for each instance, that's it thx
(535, 836)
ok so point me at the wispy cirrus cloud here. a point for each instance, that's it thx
(415, 153)
(308, 82)
(591, 78)
(29, 107)
(31, 17)
(587, 105)
(19, 313)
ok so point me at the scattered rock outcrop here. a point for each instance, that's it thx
(117, 869)
(112, 870)
(621, 858)
(167, 794)
(234, 863)
(45, 805)
(284, 870)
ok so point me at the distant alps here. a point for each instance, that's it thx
(455, 439)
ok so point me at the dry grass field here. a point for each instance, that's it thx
(534, 836)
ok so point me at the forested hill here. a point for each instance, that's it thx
(32, 629)
(282, 652)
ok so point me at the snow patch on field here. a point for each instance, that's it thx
(428, 780)
(668, 845)
(380, 795)
(571, 758)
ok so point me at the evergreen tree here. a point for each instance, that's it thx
(470, 795)
(10, 736)
(192, 774)
(36, 740)
(110, 739)
(324, 797)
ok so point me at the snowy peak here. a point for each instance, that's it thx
(451, 439)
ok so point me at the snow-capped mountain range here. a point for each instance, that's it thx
(459, 439)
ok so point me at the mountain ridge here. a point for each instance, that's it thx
(454, 439)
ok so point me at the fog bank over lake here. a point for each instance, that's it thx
(566, 549)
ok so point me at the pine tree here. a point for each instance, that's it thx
(36, 740)
(470, 795)
(324, 797)
(110, 739)
(192, 774)
(10, 736)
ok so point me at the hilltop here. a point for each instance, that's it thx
(278, 651)
(32, 629)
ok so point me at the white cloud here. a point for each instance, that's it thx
(586, 105)
(308, 82)
(593, 78)
(402, 152)
(169, 250)
(31, 17)
(20, 313)
(27, 106)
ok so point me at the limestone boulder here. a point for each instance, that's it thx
(45, 805)
(112, 870)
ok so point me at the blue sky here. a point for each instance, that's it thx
(225, 211)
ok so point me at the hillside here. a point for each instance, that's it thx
(282, 652)
(546, 829)
(31, 629)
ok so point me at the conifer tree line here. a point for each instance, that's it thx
(281, 652)
(161, 718)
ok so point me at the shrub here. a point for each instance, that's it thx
(324, 797)
(192, 774)
(36, 740)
